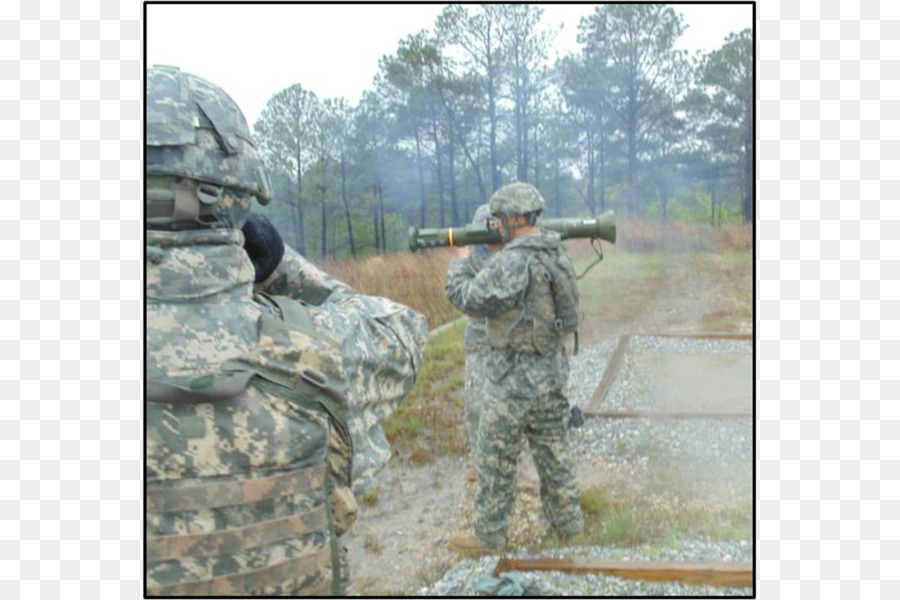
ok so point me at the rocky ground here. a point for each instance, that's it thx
(461, 579)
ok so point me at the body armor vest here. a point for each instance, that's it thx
(248, 469)
(548, 310)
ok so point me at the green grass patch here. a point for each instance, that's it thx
(431, 421)
(629, 517)
(370, 496)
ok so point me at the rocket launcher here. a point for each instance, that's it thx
(602, 227)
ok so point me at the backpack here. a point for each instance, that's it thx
(560, 274)
(550, 302)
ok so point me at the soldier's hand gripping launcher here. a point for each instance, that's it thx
(602, 227)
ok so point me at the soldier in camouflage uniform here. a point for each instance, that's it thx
(476, 345)
(259, 405)
(526, 370)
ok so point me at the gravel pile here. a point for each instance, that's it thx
(462, 577)
(633, 388)
(727, 442)
(586, 370)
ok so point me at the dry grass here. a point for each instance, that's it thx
(731, 307)
(370, 496)
(651, 236)
(414, 279)
(371, 544)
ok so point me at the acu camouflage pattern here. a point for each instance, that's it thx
(262, 535)
(475, 340)
(516, 198)
(382, 343)
(267, 538)
(196, 131)
(525, 377)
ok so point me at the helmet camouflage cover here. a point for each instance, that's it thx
(516, 198)
(482, 215)
(196, 132)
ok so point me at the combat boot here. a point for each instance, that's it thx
(468, 543)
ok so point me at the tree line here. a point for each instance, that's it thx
(627, 122)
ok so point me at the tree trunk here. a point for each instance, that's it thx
(520, 162)
(524, 116)
(748, 181)
(462, 142)
(602, 171)
(300, 231)
(492, 113)
(324, 224)
(295, 222)
(347, 205)
(375, 232)
(440, 174)
(381, 216)
(537, 174)
(632, 149)
(664, 192)
(592, 204)
(466, 184)
(451, 164)
(421, 181)
(323, 192)
(557, 206)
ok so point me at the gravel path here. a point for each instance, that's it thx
(461, 579)
(586, 370)
(705, 377)
(704, 456)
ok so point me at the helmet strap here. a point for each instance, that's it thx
(187, 204)
(507, 231)
(175, 200)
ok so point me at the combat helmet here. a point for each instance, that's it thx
(516, 198)
(482, 215)
(203, 169)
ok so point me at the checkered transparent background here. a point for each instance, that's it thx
(70, 299)
(71, 312)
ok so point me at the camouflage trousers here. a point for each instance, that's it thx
(506, 422)
(474, 396)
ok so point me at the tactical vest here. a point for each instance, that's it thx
(248, 470)
(549, 309)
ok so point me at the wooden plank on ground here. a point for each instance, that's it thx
(721, 574)
(609, 376)
(654, 414)
(704, 336)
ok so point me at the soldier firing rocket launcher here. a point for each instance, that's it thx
(602, 227)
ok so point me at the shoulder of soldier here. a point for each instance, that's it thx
(510, 256)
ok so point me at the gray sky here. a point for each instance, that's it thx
(255, 51)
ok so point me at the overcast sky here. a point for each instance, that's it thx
(255, 51)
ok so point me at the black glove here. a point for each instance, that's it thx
(576, 419)
(263, 245)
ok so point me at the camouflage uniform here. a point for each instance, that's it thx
(476, 345)
(252, 399)
(378, 339)
(526, 371)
